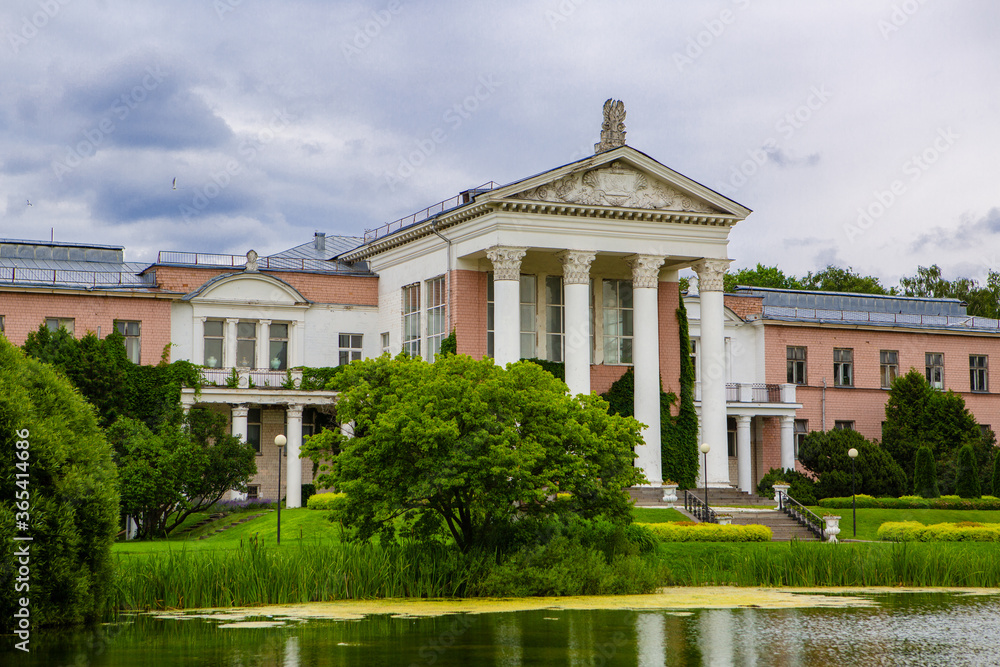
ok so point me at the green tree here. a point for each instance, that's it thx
(471, 445)
(168, 475)
(925, 483)
(928, 282)
(967, 474)
(836, 279)
(67, 485)
(996, 477)
(824, 453)
(760, 276)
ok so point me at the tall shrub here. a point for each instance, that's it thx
(876, 473)
(70, 492)
(925, 482)
(967, 474)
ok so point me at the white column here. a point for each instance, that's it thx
(646, 361)
(198, 344)
(506, 303)
(264, 345)
(787, 443)
(229, 343)
(240, 413)
(293, 480)
(576, 334)
(743, 456)
(713, 368)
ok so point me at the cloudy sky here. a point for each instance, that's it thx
(862, 133)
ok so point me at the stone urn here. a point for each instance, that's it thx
(723, 519)
(832, 527)
(669, 492)
(779, 491)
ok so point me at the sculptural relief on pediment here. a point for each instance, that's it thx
(616, 185)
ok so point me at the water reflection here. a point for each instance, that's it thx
(904, 629)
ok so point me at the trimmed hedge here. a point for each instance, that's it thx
(915, 503)
(324, 501)
(682, 531)
(914, 531)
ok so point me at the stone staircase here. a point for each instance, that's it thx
(731, 497)
(783, 527)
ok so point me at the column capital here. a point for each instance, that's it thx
(240, 410)
(710, 272)
(263, 321)
(506, 261)
(743, 419)
(645, 270)
(787, 421)
(576, 266)
(232, 320)
(294, 411)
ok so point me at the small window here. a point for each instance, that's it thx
(529, 302)
(934, 362)
(350, 348)
(555, 324)
(618, 313)
(979, 372)
(801, 430)
(130, 330)
(411, 320)
(843, 425)
(213, 343)
(57, 323)
(277, 357)
(253, 428)
(731, 436)
(253, 491)
(1, 324)
(796, 357)
(385, 343)
(843, 367)
(889, 370)
(246, 344)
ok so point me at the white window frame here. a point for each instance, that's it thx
(843, 367)
(437, 314)
(221, 338)
(411, 319)
(68, 323)
(243, 338)
(888, 366)
(349, 347)
(979, 374)
(618, 323)
(934, 369)
(133, 342)
(555, 319)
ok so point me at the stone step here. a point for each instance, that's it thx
(647, 496)
(782, 526)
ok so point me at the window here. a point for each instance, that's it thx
(56, 323)
(934, 362)
(411, 320)
(131, 332)
(617, 304)
(986, 432)
(253, 428)
(385, 343)
(253, 491)
(1, 323)
(801, 429)
(843, 367)
(555, 318)
(213, 343)
(889, 360)
(843, 425)
(350, 348)
(731, 436)
(529, 301)
(435, 316)
(796, 357)
(277, 351)
(489, 315)
(978, 372)
(308, 423)
(246, 344)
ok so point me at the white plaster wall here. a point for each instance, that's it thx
(324, 324)
(744, 344)
(181, 331)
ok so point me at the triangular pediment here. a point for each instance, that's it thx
(625, 178)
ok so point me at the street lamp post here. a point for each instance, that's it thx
(280, 441)
(853, 453)
(705, 447)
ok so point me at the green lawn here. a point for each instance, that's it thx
(298, 526)
(656, 515)
(870, 519)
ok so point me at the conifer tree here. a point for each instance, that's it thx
(925, 482)
(967, 475)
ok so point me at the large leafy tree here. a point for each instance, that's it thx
(760, 276)
(470, 446)
(169, 474)
(983, 301)
(875, 472)
(836, 279)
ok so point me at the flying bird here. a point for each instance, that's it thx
(29, 202)
(175, 183)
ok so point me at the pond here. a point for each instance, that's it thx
(870, 629)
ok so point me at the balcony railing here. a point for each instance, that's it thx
(247, 378)
(239, 261)
(749, 392)
(430, 211)
(965, 321)
(20, 274)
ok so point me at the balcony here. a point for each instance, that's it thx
(247, 378)
(748, 392)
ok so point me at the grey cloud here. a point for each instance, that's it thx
(965, 235)
(783, 159)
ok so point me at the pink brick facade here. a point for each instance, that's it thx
(354, 290)
(24, 311)
(467, 311)
(864, 402)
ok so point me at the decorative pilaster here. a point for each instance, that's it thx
(787, 443)
(198, 344)
(646, 360)
(264, 344)
(713, 367)
(293, 415)
(229, 355)
(743, 462)
(576, 297)
(506, 302)
(239, 416)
